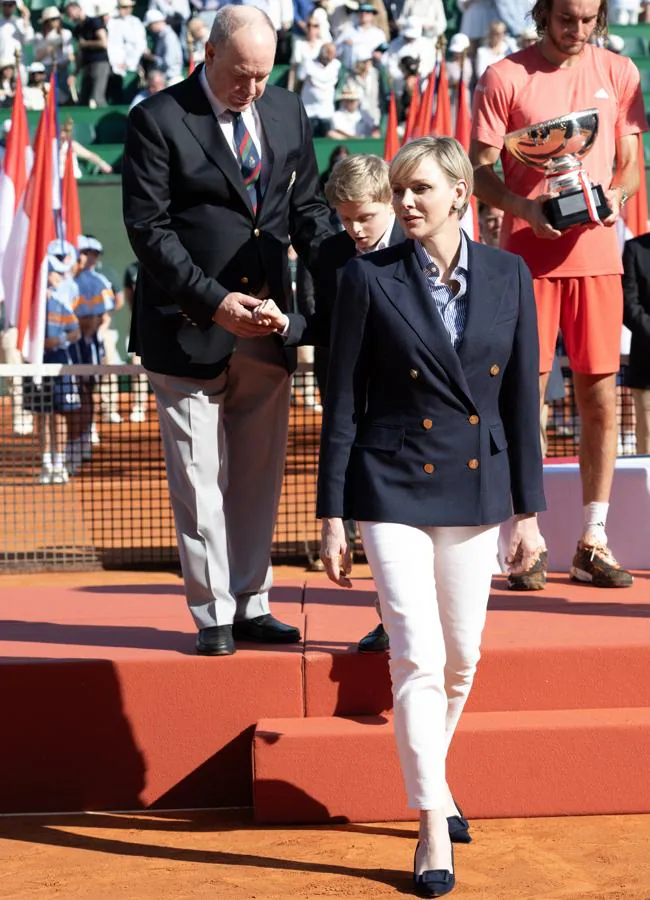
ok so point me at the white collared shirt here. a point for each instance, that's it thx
(382, 243)
(224, 117)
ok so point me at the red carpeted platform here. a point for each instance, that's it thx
(106, 706)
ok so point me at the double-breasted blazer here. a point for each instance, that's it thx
(415, 431)
(191, 224)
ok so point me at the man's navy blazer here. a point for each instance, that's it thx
(636, 309)
(191, 224)
(415, 431)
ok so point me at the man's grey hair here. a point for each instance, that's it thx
(230, 19)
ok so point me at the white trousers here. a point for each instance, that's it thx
(433, 585)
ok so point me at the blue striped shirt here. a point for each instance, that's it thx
(451, 306)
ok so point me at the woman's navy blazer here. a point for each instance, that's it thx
(415, 431)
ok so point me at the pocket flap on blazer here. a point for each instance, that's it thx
(498, 437)
(380, 437)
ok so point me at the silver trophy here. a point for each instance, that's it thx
(556, 147)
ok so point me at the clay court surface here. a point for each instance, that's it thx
(223, 855)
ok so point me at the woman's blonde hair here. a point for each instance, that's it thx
(359, 177)
(448, 155)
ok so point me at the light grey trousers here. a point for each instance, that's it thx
(225, 441)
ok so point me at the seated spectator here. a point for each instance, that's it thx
(54, 48)
(176, 13)
(167, 53)
(349, 120)
(37, 87)
(497, 45)
(280, 12)
(476, 19)
(360, 38)
(207, 9)
(431, 13)
(67, 143)
(197, 35)
(91, 35)
(16, 30)
(409, 85)
(156, 81)
(305, 49)
(459, 56)
(319, 78)
(301, 12)
(7, 82)
(321, 14)
(527, 37)
(623, 12)
(127, 40)
(365, 80)
(409, 43)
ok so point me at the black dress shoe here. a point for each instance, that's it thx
(459, 828)
(376, 641)
(434, 882)
(265, 630)
(215, 641)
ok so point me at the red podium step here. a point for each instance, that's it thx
(502, 764)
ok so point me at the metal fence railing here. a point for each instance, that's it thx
(86, 487)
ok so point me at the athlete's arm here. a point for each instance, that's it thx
(489, 188)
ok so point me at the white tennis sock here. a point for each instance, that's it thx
(595, 519)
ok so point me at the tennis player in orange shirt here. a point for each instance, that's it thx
(577, 273)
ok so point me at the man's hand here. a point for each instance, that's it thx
(536, 218)
(526, 543)
(335, 552)
(268, 313)
(235, 314)
(613, 198)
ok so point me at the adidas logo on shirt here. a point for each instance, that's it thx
(601, 94)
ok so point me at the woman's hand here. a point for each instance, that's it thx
(526, 543)
(335, 553)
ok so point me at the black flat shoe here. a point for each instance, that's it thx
(215, 641)
(459, 828)
(376, 641)
(265, 630)
(434, 882)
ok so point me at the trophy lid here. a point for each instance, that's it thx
(543, 145)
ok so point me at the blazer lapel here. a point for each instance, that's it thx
(409, 293)
(200, 120)
(487, 289)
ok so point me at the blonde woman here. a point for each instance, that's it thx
(431, 440)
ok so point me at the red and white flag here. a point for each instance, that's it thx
(70, 201)
(13, 179)
(36, 229)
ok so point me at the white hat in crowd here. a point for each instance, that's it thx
(151, 16)
(459, 43)
(349, 92)
(90, 243)
(36, 68)
(61, 255)
(6, 62)
(412, 28)
(50, 13)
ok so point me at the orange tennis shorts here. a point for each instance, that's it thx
(589, 311)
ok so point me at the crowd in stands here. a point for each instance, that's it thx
(344, 56)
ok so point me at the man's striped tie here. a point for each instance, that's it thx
(249, 160)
